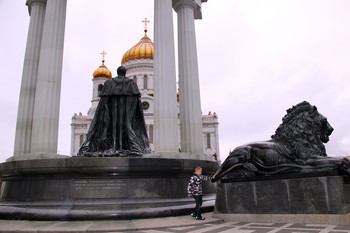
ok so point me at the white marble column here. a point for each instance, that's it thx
(29, 77)
(48, 89)
(166, 136)
(190, 105)
(72, 139)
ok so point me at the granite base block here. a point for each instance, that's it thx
(315, 195)
(318, 199)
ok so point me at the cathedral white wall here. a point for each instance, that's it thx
(210, 127)
(80, 125)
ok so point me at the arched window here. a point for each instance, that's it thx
(99, 89)
(208, 141)
(151, 134)
(135, 79)
(145, 82)
(81, 139)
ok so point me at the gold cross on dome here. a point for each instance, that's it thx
(103, 55)
(145, 21)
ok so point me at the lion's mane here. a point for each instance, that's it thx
(300, 132)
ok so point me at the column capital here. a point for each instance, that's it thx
(30, 2)
(196, 5)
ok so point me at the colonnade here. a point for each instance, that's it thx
(39, 103)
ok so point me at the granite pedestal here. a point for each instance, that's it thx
(100, 188)
(292, 198)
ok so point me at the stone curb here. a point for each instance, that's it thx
(8, 226)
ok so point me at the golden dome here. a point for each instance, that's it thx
(102, 71)
(142, 50)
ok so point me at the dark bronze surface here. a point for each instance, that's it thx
(118, 128)
(296, 147)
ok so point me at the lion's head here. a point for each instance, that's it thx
(303, 131)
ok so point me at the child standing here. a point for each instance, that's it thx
(194, 189)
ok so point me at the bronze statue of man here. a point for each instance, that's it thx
(118, 127)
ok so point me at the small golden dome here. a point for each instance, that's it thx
(102, 71)
(142, 50)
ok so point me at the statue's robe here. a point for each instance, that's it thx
(118, 127)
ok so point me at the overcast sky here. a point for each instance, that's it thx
(257, 58)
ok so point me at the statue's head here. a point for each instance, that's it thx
(304, 130)
(121, 71)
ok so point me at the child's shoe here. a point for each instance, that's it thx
(200, 218)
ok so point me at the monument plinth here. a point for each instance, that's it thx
(320, 199)
(99, 188)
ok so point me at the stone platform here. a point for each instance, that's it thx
(99, 188)
(320, 199)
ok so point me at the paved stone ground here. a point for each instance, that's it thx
(236, 227)
(176, 224)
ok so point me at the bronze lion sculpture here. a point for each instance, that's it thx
(296, 147)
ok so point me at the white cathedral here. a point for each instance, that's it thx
(138, 62)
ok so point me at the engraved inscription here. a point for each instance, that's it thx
(98, 184)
